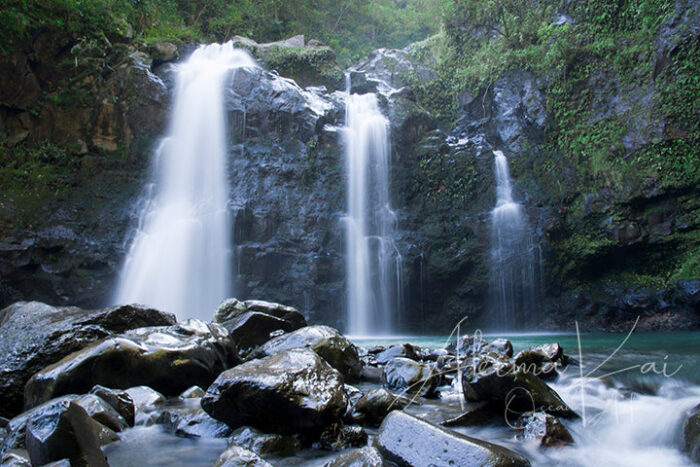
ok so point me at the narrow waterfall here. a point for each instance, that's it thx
(514, 271)
(180, 260)
(373, 260)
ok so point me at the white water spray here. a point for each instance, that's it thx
(180, 258)
(514, 278)
(373, 261)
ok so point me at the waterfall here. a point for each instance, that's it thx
(180, 258)
(514, 271)
(374, 278)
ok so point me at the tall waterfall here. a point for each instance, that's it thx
(179, 260)
(373, 261)
(514, 268)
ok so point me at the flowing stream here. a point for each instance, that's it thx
(179, 260)
(514, 271)
(373, 261)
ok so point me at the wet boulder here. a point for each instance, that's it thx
(145, 401)
(194, 392)
(251, 323)
(467, 346)
(410, 441)
(99, 410)
(65, 431)
(372, 407)
(337, 437)
(266, 443)
(187, 418)
(404, 374)
(363, 457)
(290, 391)
(120, 401)
(237, 456)
(15, 458)
(34, 335)
(546, 429)
(541, 360)
(327, 342)
(167, 359)
(404, 350)
(691, 434)
(509, 390)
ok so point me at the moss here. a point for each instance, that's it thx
(306, 65)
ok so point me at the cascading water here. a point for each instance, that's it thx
(514, 271)
(179, 260)
(373, 260)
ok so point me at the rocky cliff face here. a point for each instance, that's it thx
(68, 205)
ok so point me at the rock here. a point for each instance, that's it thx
(167, 359)
(404, 350)
(3, 422)
(250, 329)
(163, 51)
(65, 431)
(328, 343)
(545, 428)
(15, 458)
(193, 392)
(478, 413)
(34, 335)
(410, 441)
(99, 410)
(61, 463)
(187, 418)
(467, 346)
(237, 456)
(500, 346)
(372, 407)
(364, 457)
(338, 437)
(404, 374)
(120, 401)
(231, 308)
(691, 434)
(288, 392)
(144, 400)
(510, 390)
(541, 360)
(266, 443)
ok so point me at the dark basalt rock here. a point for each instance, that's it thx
(510, 390)
(187, 418)
(372, 407)
(691, 434)
(542, 360)
(290, 391)
(102, 412)
(120, 401)
(327, 342)
(237, 456)
(404, 374)
(266, 443)
(338, 437)
(168, 359)
(15, 458)
(364, 457)
(194, 392)
(404, 350)
(411, 442)
(146, 401)
(478, 413)
(251, 323)
(34, 335)
(65, 431)
(545, 428)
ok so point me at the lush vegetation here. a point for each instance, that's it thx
(352, 28)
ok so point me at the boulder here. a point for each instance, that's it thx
(237, 456)
(15, 458)
(476, 413)
(168, 359)
(34, 335)
(541, 360)
(404, 374)
(337, 437)
(187, 418)
(193, 392)
(162, 51)
(372, 407)
(410, 441)
(65, 431)
(290, 391)
(266, 443)
(545, 428)
(510, 390)
(99, 410)
(691, 434)
(327, 342)
(120, 401)
(404, 350)
(364, 457)
(467, 346)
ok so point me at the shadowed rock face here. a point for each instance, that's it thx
(169, 359)
(411, 442)
(34, 335)
(289, 392)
